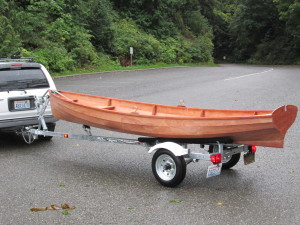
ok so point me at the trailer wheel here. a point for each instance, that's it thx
(231, 161)
(168, 169)
(51, 127)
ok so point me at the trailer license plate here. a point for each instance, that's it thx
(22, 104)
(214, 170)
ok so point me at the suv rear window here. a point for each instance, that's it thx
(22, 78)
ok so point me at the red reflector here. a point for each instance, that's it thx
(66, 135)
(216, 159)
(16, 64)
(253, 148)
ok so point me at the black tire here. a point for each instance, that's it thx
(168, 169)
(51, 127)
(229, 162)
(232, 161)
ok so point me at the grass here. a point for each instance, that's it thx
(105, 68)
(65, 212)
(175, 201)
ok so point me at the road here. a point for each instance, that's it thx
(114, 184)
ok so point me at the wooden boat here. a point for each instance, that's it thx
(262, 128)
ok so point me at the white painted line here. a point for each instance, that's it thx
(248, 75)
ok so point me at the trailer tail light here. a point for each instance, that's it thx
(252, 148)
(216, 159)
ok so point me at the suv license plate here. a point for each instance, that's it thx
(22, 104)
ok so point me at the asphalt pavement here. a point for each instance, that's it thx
(113, 184)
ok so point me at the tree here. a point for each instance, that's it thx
(9, 38)
(289, 14)
(98, 18)
(254, 22)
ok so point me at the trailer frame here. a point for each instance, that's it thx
(170, 155)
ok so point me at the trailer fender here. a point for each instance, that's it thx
(176, 149)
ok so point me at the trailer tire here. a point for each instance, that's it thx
(168, 169)
(51, 127)
(231, 162)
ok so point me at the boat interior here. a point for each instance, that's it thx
(148, 109)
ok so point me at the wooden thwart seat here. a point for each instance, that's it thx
(202, 113)
(106, 107)
(154, 111)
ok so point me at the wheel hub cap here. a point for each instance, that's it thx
(165, 167)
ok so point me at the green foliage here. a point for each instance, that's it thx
(42, 24)
(65, 212)
(221, 17)
(127, 34)
(175, 201)
(276, 51)
(197, 23)
(197, 50)
(69, 34)
(81, 48)
(266, 31)
(252, 22)
(98, 17)
(54, 58)
(156, 17)
(169, 50)
(201, 50)
(9, 39)
(289, 11)
(148, 49)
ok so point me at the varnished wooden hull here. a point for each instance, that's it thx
(262, 128)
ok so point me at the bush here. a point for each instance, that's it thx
(201, 49)
(106, 62)
(169, 50)
(127, 34)
(81, 49)
(278, 51)
(55, 59)
(148, 49)
(185, 50)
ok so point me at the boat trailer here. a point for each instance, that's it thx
(170, 155)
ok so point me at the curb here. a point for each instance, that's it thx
(114, 71)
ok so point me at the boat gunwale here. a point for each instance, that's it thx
(269, 115)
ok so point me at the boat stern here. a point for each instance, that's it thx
(284, 117)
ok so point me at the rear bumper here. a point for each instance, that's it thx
(17, 124)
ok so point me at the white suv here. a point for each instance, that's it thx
(20, 81)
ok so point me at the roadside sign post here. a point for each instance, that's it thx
(131, 53)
